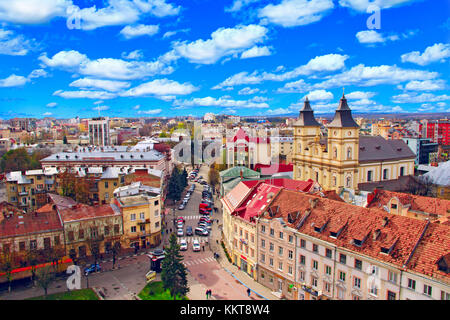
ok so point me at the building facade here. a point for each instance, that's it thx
(98, 129)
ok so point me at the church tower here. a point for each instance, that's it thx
(306, 132)
(343, 149)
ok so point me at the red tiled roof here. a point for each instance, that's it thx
(45, 208)
(60, 201)
(418, 203)
(83, 211)
(267, 169)
(29, 223)
(355, 223)
(233, 198)
(434, 245)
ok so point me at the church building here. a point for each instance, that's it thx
(343, 158)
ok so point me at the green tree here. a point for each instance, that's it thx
(175, 186)
(7, 266)
(213, 176)
(44, 278)
(15, 160)
(174, 274)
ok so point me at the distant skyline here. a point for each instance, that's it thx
(166, 58)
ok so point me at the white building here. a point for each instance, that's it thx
(99, 131)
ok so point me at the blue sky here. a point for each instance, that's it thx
(139, 58)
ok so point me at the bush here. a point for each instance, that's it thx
(226, 252)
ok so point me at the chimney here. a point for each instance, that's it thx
(385, 221)
(376, 234)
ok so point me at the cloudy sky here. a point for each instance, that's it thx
(67, 58)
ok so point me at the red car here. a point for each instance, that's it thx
(206, 219)
(180, 219)
(204, 211)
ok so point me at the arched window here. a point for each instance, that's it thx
(349, 153)
(348, 181)
(334, 152)
(334, 181)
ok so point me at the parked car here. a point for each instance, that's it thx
(203, 182)
(158, 252)
(204, 225)
(206, 219)
(195, 245)
(180, 219)
(201, 231)
(92, 268)
(189, 231)
(181, 206)
(180, 232)
(204, 211)
(180, 225)
(183, 245)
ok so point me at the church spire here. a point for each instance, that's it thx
(306, 117)
(343, 116)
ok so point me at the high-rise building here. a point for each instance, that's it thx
(99, 131)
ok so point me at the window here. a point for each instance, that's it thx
(402, 171)
(391, 295)
(445, 295)
(22, 246)
(133, 217)
(272, 232)
(271, 246)
(315, 265)
(240, 232)
(116, 228)
(392, 277)
(281, 235)
(427, 290)
(70, 236)
(142, 216)
(252, 237)
(81, 234)
(315, 248)
(280, 251)
(33, 244)
(411, 284)
(356, 282)
(290, 254)
(313, 281)
(327, 286)
(349, 153)
(271, 262)
(106, 195)
(142, 228)
(369, 175)
(106, 185)
(328, 270)
(57, 241)
(373, 289)
(263, 258)
(290, 270)
(235, 228)
(252, 252)
(342, 258)
(263, 229)
(385, 174)
(263, 243)
(328, 253)
(302, 276)
(280, 266)
(291, 239)
(342, 276)
(156, 212)
(340, 293)
(156, 202)
(106, 230)
(358, 264)
(302, 260)
(355, 297)
(302, 243)
(133, 229)
(157, 224)
(246, 235)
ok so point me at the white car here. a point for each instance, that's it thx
(180, 232)
(179, 225)
(195, 245)
(183, 245)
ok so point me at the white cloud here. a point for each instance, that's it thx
(363, 76)
(223, 42)
(37, 73)
(298, 86)
(362, 5)
(13, 81)
(47, 114)
(292, 13)
(325, 63)
(372, 36)
(436, 52)
(356, 95)
(256, 52)
(140, 30)
(101, 108)
(160, 87)
(154, 111)
(248, 90)
(84, 94)
(13, 45)
(419, 98)
(319, 95)
(136, 107)
(32, 11)
(107, 67)
(278, 111)
(425, 85)
(220, 102)
(98, 102)
(169, 34)
(133, 55)
(108, 85)
(239, 5)
(51, 105)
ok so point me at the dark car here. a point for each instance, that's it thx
(158, 252)
(92, 268)
(189, 231)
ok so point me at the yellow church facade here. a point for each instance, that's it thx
(342, 158)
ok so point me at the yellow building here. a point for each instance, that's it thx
(343, 158)
(141, 214)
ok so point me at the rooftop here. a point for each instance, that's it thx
(83, 211)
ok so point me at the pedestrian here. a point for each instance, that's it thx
(248, 291)
(203, 248)
(210, 293)
(207, 292)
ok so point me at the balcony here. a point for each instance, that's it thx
(23, 193)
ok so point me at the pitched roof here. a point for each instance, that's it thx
(83, 211)
(434, 245)
(417, 203)
(21, 224)
(61, 202)
(403, 183)
(343, 116)
(236, 172)
(440, 175)
(352, 223)
(233, 198)
(268, 170)
(306, 116)
(376, 148)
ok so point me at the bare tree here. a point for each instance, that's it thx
(44, 278)
(7, 266)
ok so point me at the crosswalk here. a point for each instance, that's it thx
(198, 261)
(194, 217)
(191, 239)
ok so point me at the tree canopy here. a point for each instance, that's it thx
(19, 159)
